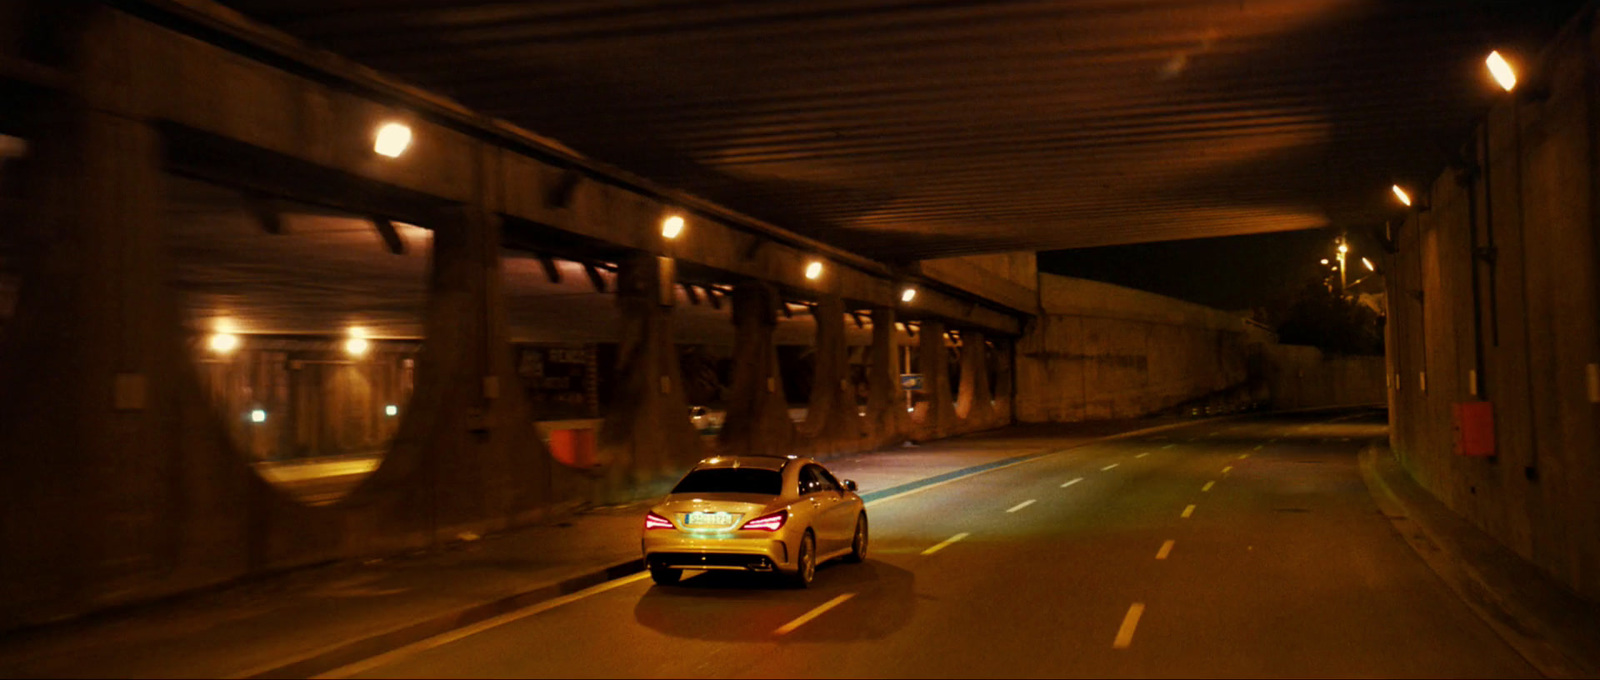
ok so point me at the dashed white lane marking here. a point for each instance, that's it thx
(1129, 623)
(789, 627)
(1169, 446)
(1108, 467)
(1142, 454)
(1188, 511)
(1022, 505)
(1166, 549)
(1226, 469)
(1208, 485)
(460, 633)
(1243, 456)
(945, 543)
(1258, 446)
(1070, 482)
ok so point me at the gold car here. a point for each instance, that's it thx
(755, 513)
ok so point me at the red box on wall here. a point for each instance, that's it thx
(1474, 428)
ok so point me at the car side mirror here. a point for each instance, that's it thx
(850, 485)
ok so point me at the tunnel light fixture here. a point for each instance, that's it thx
(223, 343)
(814, 270)
(1343, 248)
(258, 415)
(1368, 264)
(1502, 71)
(392, 140)
(908, 294)
(391, 410)
(357, 344)
(1401, 194)
(671, 227)
(1324, 260)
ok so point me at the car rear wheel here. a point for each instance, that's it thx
(665, 576)
(858, 545)
(805, 563)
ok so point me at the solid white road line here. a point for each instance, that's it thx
(1108, 467)
(1166, 549)
(936, 485)
(945, 543)
(446, 638)
(1129, 623)
(1070, 482)
(1188, 511)
(1208, 485)
(1142, 454)
(789, 627)
(1022, 505)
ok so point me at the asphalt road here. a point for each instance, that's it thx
(1243, 548)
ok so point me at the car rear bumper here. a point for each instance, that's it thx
(681, 550)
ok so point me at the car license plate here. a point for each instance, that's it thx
(709, 520)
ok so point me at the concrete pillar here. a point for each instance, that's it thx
(975, 403)
(833, 422)
(1004, 358)
(936, 417)
(646, 440)
(758, 418)
(886, 412)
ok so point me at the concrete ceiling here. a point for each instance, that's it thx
(916, 128)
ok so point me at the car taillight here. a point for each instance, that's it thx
(772, 522)
(654, 521)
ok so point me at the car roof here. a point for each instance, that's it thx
(761, 462)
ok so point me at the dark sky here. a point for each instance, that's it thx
(1231, 273)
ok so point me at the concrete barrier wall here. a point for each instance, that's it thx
(1494, 297)
(1100, 351)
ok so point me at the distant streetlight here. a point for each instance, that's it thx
(671, 227)
(258, 416)
(1368, 264)
(1402, 195)
(1324, 260)
(1502, 71)
(391, 410)
(908, 295)
(814, 270)
(392, 140)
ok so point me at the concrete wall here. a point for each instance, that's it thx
(1100, 351)
(1520, 317)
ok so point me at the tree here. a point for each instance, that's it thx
(1318, 317)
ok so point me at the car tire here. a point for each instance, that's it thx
(664, 576)
(858, 544)
(805, 562)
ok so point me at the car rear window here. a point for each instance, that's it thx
(732, 480)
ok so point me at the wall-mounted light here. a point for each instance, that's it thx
(1324, 260)
(258, 416)
(1502, 71)
(392, 140)
(391, 410)
(671, 227)
(1368, 264)
(223, 343)
(908, 295)
(357, 345)
(1402, 195)
(814, 270)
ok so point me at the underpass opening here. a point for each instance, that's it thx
(304, 327)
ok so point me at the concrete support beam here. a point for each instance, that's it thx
(936, 418)
(758, 418)
(975, 403)
(833, 421)
(886, 413)
(646, 439)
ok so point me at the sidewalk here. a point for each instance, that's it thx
(312, 620)
(1554, 629)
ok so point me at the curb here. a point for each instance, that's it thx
(348, 652)
(1420, 525)
(339, 655)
